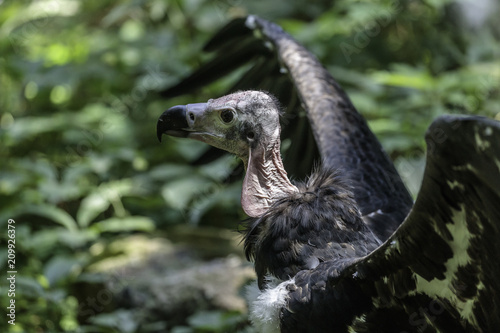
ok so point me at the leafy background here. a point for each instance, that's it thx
(89, 186)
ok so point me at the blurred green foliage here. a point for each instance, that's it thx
(80, 163)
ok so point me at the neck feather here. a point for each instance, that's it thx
(266, 179)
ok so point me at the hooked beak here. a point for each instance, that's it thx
(179, 120)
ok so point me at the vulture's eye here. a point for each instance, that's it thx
(227, 115)
(251, 135)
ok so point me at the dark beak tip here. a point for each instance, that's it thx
(159, 129)
(173, 122)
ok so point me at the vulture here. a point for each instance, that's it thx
(348, 250)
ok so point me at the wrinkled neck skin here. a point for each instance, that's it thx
(265, 180)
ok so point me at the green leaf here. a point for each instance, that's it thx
(212, 320)
(29, 127)
(130, 223)
(215, 321)
(29, 286)
(182, 329)
(178, 193)
(90, 207)
(121, 320)
(76, 239)
(168, 171)
(101, 198)
(416, 80)
(59, 268)
(53, 213)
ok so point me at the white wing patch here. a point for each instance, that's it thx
(359, 319)
(481, 144)
(265, 305)
(444, 288)
(455, 184)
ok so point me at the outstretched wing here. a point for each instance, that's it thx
(439, 271)
(283, 67)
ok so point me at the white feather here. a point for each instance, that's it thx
(265, 305)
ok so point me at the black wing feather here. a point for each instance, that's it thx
(439, 271)
(233, 31)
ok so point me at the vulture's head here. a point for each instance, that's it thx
(246, 124)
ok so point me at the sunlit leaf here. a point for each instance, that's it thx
(132, 30)
(384, 125)
(411, 80)
(40, 10)
(90, 207)
(130, 223)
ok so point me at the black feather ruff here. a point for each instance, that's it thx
(320, 222)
